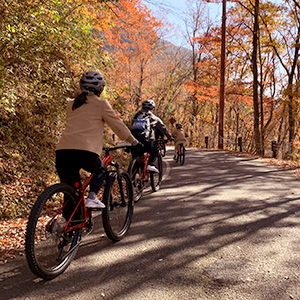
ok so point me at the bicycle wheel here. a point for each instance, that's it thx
(155, 178)
(178, 153)
(182, 154)
(49, 249)
(118, 199)
(135, 172)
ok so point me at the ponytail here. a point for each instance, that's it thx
(82, 98)
(79, 100)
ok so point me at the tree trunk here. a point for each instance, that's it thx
(222, 79)
(257, 137)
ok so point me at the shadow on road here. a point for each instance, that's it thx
(215, 207)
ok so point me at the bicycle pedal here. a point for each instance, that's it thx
(94, 209)
(96, 213)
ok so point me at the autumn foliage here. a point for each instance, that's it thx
(46, 45)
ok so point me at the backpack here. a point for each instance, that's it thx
(141, 127)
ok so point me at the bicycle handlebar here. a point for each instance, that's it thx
(108, 149)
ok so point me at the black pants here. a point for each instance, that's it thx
(69, 163)
(149, 147)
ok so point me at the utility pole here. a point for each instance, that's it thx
(222, 79)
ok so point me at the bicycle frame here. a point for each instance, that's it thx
(160, 143)
(51, 246)
(180, 153)
(145, 160)
(178, 149)
(86, 216)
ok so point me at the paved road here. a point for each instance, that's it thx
(221, 227)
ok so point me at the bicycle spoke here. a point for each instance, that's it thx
(48, 244)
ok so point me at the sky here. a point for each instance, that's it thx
(174, 11)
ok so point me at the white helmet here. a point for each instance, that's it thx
(148, 104)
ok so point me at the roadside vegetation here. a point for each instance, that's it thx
(47, 44)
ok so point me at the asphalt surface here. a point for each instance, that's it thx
(220, 227)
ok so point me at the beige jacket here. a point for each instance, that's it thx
(85, 126)
(179, 135)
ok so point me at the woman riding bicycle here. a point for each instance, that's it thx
(180, 137)
(82, 140)
(147, 135)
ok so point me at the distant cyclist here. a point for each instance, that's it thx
(82, 140)
(145, 124)
(179, 136)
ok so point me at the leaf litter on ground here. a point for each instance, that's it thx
(12, 238)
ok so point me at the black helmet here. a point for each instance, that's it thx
(148, 104)
(178, 125)
(92, 81)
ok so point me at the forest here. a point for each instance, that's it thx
(46, 45)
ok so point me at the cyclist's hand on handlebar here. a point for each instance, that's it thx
(137, 145)
(171, 139)
(128, 149)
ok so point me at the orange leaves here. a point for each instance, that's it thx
(203, 92)
(127, 30)
(12, 237)
(131, 34)
(133, 27)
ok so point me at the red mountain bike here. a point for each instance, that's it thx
(180, 154)
(50, 247)
(141, 177)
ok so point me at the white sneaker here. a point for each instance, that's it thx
(94, 203)
(152, 169)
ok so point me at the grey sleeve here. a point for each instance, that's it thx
(162, 127)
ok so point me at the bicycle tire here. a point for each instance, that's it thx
(182, 154)
(156, 178)
(177, 154)
(49, 253)
(118, 211)
(135, 173)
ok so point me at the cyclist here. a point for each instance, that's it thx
(180, 137)
(145, 124)
(82, 140)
